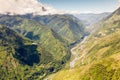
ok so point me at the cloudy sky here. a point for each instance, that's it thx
(83, 6)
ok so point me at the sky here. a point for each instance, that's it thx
(83, 6)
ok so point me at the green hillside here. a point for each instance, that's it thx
(67, 26)
(22, 59)
(13, 67)
(44, 36)
(58, 31)
(46, 52)
(101, 60)
(38, 33)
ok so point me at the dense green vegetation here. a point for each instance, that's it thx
(67, 26)
(102, 54)
(45, 49)
(58, 31)
(38, 46)
(44, 36)
(21, 59)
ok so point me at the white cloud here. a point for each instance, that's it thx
(26, 6)
(72, 12)
(33, 6)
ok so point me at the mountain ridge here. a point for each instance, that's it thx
(61, 24)
(101, 52)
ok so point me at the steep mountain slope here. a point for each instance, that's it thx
(67, 26)
(52, 45)
(37, 32)
(44, 36)
(47, 49)
(21, 58)
(12, 61)
(101, 60)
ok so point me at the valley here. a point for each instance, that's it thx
(75, 54)
(39, 42)
(100, 58)
(52, 48)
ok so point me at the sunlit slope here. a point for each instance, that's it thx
(21, 58)
(13, 63)
(67, 26)
(53, 32)
(44, 36)
(101, 60)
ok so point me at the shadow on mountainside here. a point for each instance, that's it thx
(27, 54)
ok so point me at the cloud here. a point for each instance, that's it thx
(72, 12)
(26, 6)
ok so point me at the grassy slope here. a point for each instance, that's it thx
(67, 26)
(102, 59)
(10, 67)
(62, 28)
(59, 31)
(43, 36)
(52, 48)
(20, 59)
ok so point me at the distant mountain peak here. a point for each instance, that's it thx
(25, 7)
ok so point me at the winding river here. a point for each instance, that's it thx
(75, 54)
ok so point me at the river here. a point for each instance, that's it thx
(75, 54)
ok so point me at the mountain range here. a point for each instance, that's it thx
(99, 55)
(44, 44)
(38, 42)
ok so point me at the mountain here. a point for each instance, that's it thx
(35, 39)
(67, 26)
(54, 50)
(44, 36)
(48, 38)
(13, 62)
(25, 7)
(21, 58)
(90, 18)
(39, 33)
(99, 54)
